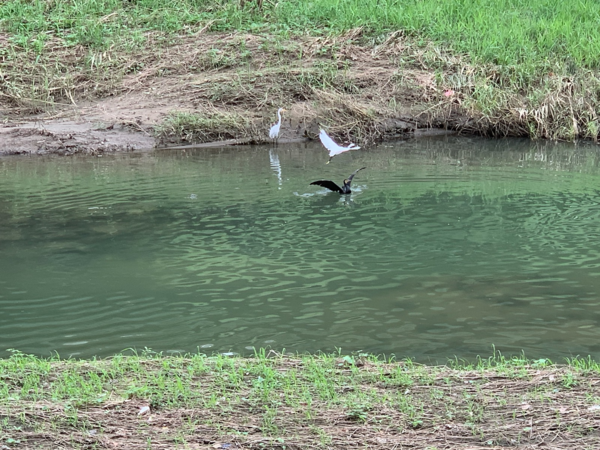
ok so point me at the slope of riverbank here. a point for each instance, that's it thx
(346, 86)
(109, 75)
(286, 401)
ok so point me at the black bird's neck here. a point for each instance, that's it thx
(346, 187)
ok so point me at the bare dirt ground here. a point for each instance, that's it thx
(360, 91)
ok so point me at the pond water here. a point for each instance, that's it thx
(446, 246)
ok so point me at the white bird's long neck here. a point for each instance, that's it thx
(279, 117)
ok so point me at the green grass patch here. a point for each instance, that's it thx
(297, 400)
(505, 32)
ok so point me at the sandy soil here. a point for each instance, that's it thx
(122, 123)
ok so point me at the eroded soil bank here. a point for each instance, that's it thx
(231, 86)
(297, 402)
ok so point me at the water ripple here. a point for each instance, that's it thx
(444, 248)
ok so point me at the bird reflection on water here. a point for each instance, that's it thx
(276, 166)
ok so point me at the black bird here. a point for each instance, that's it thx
(345, 189)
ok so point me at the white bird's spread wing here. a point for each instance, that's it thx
(328, 143)
(333, 147)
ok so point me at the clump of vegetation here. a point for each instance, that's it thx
(348, 118)
(211, 125)
(494, 100)
(277, 400)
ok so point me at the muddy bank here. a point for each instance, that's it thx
(233, 84)
(211, 87)
(68, 137)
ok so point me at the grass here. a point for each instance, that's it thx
(505, 32)
(516, 68)
(181, 126)
(277, 400)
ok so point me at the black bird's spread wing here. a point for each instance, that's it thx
(329, 185)
(354, 173)
(334, 187)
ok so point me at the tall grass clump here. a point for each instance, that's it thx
(183, 126)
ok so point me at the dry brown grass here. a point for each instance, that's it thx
(208, 125)
(356, 88)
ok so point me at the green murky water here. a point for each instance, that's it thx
(446, 246)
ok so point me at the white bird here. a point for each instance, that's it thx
(274, 131)
(334, 148)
